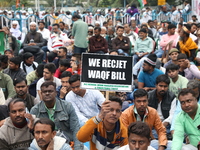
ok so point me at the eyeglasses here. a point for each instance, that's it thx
(14, 25)
(90, 31)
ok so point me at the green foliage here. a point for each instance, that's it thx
(104, 3)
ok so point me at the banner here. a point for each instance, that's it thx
(106, 72)
(161, 2)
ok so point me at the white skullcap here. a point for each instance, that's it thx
(132, 18)
(97, 22)
(33, 23)
(104, 28)
(90, 28)
(15, 22)
(98, 10)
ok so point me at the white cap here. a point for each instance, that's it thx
(132, 18)
(33, 23)
(97, 22)
(98, 10)
(1, 11)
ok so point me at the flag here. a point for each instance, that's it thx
(142, 3)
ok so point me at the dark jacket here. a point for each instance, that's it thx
(165, 103)
(15, 46)
(37, 37)
(29, 101)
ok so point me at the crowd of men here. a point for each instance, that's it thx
(42, 106)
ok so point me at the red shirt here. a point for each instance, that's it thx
(78, 71)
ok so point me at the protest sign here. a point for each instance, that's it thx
(106, 72)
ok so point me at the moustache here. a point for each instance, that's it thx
(18, 117)
(41, 140)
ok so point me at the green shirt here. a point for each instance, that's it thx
(185, 124)
(6, 83)
(51, 112)
(31, 77)
(175, 87)
(80, 33)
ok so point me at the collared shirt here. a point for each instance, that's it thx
(51, 111)
(145, 45)
(86, 106)
(97, 45)
(185, 124)
(80, 33)
(120, 44)
(138, 117)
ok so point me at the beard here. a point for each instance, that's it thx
(33, 31)
(162, 93)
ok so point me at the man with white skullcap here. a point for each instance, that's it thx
(33, 43)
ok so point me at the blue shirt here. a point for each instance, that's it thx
(149, 79)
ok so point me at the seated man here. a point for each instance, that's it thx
(61, 112)
(187, 122)
(15, 134)
(121, 43)
(14, 69)
(195, 86)
(61, 54)
(28, 64)
(35, 75)
(173, 53)
(177, 82)
(138, 132)
(64, 64)
(57, 39)
(76, 64)
(105, 131)
(48, 75)
(21, 89)
(86, 102)
(110, 36)
(33, 43)
(186, 45)
(168, 40)
(97, 43)
(143, 46)
(45, 137)
(187, 69)
(6, 84)
(65, 88)
(163, 100)
(45, 34)
(3, 62)
(141, 112)
(147, 77)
